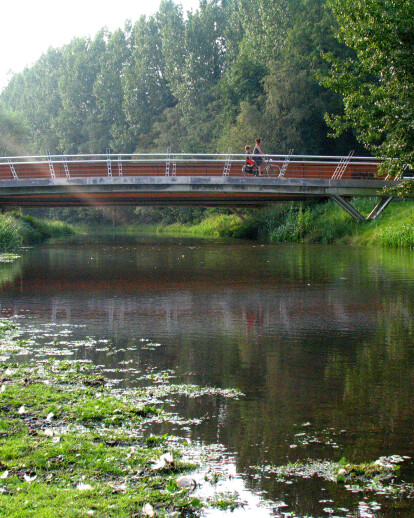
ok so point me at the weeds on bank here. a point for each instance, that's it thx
(70, 447)
(73, 446)
(17, 230)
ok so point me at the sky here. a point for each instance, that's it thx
(30, 27)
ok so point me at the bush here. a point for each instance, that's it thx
(10, 237)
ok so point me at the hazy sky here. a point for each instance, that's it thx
(30, 27)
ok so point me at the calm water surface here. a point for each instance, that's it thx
(319, 339)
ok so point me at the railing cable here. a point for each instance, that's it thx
(51, 166)
(340, 168)
(286, 163)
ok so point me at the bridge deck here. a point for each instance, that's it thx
(82, 168)
(182, 179)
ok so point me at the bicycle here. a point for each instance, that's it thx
(269, 168)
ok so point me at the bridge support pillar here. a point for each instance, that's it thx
(382, 204)
(348, 208)
(238, 213)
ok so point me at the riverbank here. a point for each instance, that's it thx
(18, 230)
(288, 222)
(71, 440)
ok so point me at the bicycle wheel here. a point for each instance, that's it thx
(272, 170)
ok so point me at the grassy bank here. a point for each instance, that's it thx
(72, 445)
(17, 229)
(285, 222)
(306, 223)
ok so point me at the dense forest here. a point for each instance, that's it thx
(214, 79)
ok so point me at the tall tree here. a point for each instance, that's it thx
(194, 71)
(34, 93)
(146, 90)
(109, 93)
(14, 133)
(376, 84)
(77, 124)
(295, 102)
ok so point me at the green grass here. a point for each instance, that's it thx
(285, 222)
(72, 446)
(325, 223)
(89, 456)
(17, 229)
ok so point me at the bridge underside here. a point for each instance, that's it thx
(99, 200)
(186, 190)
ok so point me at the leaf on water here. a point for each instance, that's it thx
(164, 461)
(148, 510)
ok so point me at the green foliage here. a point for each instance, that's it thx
(228, 72)
(45, 228)
(14, 132)
(309, 222)
(10, 236)
(295, 226)
(17, 229)
(376, 82)
(398, 237)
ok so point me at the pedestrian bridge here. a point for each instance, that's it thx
(186, 179)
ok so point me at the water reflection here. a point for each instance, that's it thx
(320, 339)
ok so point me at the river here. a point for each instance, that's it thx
(319, 339)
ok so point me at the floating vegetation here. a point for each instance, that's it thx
(381, 476)
(69, 439)
(8, 257)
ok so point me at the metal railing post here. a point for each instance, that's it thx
(227, 165)
(286, 163)
(108, 161)
(167, 162)
(66, 167)
(51, 166)
(120, 172)
(340, 168)
(13, 170)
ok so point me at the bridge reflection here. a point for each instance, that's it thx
(262, 312)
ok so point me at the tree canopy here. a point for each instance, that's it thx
(223, 75)
(376, 81)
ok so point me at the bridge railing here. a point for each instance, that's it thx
(181, 164)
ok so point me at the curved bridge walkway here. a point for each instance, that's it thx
(185, 179)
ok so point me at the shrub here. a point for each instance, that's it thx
(10, 238)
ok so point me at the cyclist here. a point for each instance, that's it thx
(258, 159)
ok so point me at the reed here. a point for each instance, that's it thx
(10, 236)
(17, 229)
